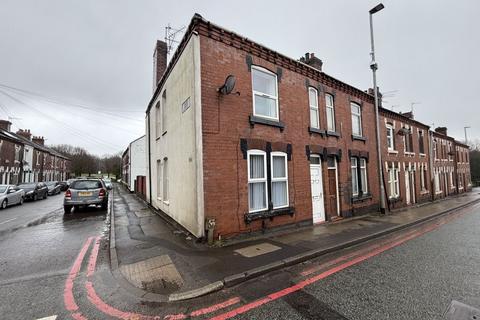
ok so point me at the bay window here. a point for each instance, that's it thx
(265, 95)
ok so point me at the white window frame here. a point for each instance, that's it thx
(354, 170)
(422, 178)
(283, 179)
(436, 182)
(262, 94)
(330, 106)
(391, 138)
(393, 183)
(421, 135)
(257, 180)
(158, 120)
(363, 169)
(165, 185)
(159, 179)
(452, 185)
(359, 116)
(164, 111)
(314, 107)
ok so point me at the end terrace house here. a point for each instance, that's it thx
(288, 145)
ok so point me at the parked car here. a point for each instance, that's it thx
(53, 187)
(69, 181)
(85, 192)
(10, 195)
(34, 190)
(63, 185)
(108, 183)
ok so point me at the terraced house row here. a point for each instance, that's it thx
(25, 158)
(241, 138)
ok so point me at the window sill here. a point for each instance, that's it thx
(354, 137)
(259, 120)
(424, 192)
(423, 155)
(268, 214)
(439, 192)
(393, 151)
(409, 153)
(333, 134)
(167, 203)
(363, 197)
(395, 199)
(164, 133)
(316, 130)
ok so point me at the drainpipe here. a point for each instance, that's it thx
(430, 151)
(149, 161)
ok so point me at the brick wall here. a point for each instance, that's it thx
(225, 121)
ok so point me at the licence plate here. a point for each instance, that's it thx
(85, 194)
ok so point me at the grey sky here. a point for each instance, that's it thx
(98, 54)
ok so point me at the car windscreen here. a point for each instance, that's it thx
(86, 184)
(2, 189)
(26, 185)
(50, 183)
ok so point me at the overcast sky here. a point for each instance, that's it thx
(85, 66)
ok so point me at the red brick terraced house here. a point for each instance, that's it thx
(444, 166)
(462, 170)
(405, 156)
(289, 145)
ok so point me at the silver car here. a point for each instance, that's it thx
(85, 192)
(10, 195)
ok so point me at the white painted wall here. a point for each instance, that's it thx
(181, 144)
(138, 160)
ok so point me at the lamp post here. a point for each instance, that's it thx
(374, 67)
(465, 129)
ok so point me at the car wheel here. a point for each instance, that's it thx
(105, 206)
(67, 209)
(21, 201)
(45, 196)
(4, 204)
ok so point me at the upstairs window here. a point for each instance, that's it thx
(257, 181)
(279, 180)
(330, 112)
(313, 101)
(408, 139)
(158, 120)
(265, 93)
(164, 112)
(356, 119)
(390, 137)
(421, 145)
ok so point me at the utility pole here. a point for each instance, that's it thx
(374, 67)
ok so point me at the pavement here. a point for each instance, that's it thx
(157, 261)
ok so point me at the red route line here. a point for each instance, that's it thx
(68, 298)
(325, 274)
(109, 310)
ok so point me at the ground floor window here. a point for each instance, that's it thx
(437, 182)
(359, 176)
(257, 180)
(279, 180)
(393, 182)
(423, 178)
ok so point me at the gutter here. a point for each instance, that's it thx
(149, 161)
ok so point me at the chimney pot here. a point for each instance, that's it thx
(312, 61)
(441, 130)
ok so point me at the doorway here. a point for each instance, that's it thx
(332, 197)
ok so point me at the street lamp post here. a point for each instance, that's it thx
(465, 129)
(374, 67)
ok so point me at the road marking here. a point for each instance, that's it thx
(68, 298)
(48, 318)
(6, 221)
(204, 311)
(302, 284)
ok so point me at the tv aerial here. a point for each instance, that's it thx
(170, 36)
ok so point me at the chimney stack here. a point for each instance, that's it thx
(25, 133)
(441, 130)
(38, 140)
(312, 61)
(380, 96)
(159, 62)
(5, 125)
(409, 115)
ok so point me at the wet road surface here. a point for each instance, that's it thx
(413, 274)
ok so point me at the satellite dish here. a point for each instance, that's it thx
(228, 86)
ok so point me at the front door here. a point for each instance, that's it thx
(407, 187)
(318, 205)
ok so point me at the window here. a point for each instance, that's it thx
(330, 112)
(435, 149)
(423, 178)
(165, 179)
(314, 159)
(158, 119)
(451, 180)
(393, 182)
(356, 119)
(313, 101)
(421, 145)
(17, 153)
(408, 140)
(359, 176)
(363, 175)
(390, 137)
(279, 180)
(437, 182)
(38, 158)
(164, 112)
(257, 180)
(354, 167)
(265, 96)
(159, 179)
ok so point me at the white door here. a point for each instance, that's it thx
(407, 187)
(412, 181)
(317, 193)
